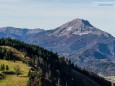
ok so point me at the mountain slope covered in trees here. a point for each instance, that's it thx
(47, 68)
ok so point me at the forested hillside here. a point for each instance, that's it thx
(46, 67)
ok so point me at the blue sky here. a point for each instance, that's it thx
(49, 14)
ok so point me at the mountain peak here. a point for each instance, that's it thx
(80, 22)
(78, 27)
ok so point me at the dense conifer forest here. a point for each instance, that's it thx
(49, 69)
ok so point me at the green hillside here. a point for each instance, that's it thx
(13, 79)
(46, 67)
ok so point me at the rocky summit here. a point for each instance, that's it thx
(77, 27)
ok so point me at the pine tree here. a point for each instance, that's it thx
(5, 58)
(40, 76)
(2, 50)
(7, 68)
(3, 67)
(0, 68)
(14, 59)
(29, 73)
(25, 55)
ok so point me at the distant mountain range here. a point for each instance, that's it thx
(87, 46)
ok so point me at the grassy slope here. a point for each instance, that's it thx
(13, 80)
(15, 51)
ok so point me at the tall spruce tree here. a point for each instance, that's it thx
(7, 67)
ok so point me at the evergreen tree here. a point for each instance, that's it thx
(3, 67)
(29, 73)
(7, 68)
(14, 59)
(2, 50)
(8, 55)
(5, 57)
(40, 77)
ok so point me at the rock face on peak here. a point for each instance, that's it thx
(78, 27)
(85, 45)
